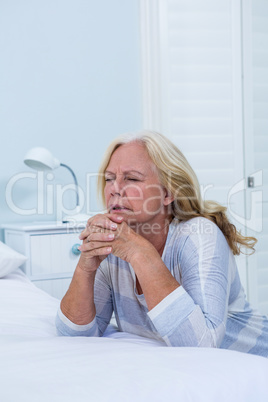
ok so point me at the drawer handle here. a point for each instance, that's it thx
(75, 250)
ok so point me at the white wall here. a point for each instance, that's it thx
(69, 81)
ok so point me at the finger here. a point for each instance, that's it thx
(101, 251)
(100, 236)
(101, 222)
(94, 229)
(98, 252)
(109, 222)
(95, 248)
(115, 218)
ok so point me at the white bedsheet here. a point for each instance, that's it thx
(38, 365)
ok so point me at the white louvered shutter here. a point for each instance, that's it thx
(255, 51)
(201, 100)
(193, 83)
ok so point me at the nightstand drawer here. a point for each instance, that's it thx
(52, 253)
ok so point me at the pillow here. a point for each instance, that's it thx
(10, 260)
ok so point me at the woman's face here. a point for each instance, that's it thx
(132, 187)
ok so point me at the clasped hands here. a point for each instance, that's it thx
(107, 234)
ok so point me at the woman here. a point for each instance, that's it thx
(161, 258)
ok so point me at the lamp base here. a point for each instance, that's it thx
(76, 218)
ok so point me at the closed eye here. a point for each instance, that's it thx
(132, 179)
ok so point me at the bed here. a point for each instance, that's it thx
(38, 365)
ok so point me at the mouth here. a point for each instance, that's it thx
(118, 208)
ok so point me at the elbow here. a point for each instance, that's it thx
(88, 330)
(61, 328)
(209, 338)
(213, 336)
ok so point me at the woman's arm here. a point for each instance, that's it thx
(155, 279)
(78, 303)
(77, 310)
(153, 276)
(195, 313)
(93, 325)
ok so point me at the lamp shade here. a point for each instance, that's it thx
(41, 159)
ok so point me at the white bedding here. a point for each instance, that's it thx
(38, 365)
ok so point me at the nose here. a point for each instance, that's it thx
(117, 187)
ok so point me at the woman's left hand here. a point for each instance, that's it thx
(127, 243)
(154, 279)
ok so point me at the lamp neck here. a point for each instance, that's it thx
(75, 181)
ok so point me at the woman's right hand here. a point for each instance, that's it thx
(97, 238)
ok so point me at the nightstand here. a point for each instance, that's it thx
(51, 248)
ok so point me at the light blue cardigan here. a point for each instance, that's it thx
(209, 309)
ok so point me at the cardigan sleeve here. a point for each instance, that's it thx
(195, 314)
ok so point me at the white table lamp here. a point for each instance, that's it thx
(40, 158)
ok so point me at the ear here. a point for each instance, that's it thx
(168, 197)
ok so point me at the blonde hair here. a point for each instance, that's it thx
(178, 177)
